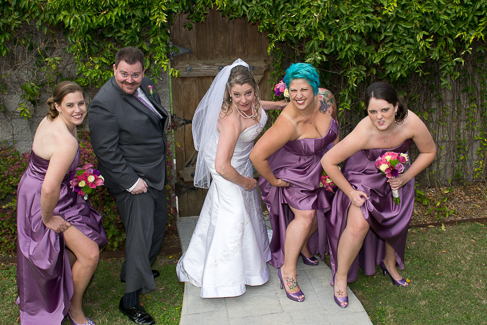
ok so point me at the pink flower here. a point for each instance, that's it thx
(86, 166)
(92, 185)
(400, 168)
(99, 181)
(401, 159)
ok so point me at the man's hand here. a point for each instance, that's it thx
(140, 187)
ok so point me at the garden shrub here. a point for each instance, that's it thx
(13, 164)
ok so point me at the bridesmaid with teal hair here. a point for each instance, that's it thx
(288, 160)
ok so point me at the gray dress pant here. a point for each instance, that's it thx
(144, 217)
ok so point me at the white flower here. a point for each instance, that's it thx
(383, 167)
(286, 93)
(91, 178)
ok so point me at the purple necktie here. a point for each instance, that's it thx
(147, 105)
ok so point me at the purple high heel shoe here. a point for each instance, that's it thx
(293, 296)
(89, 322)
(342, 302)
(400, 283)
(313, 261)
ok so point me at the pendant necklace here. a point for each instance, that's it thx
(243, 114)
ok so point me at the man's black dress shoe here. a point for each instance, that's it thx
(136, 314)
(155, 274)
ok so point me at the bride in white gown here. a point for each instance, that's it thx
(229, 247)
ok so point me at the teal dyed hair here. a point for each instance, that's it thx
(303, 71)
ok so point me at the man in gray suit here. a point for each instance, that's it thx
(128, 132)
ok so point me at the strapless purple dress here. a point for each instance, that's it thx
(387, 220)
(298, 163)
(44, 279)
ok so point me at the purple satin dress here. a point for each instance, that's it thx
(387, 220)
(298, 163)
(44, 278)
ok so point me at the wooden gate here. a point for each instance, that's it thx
(201, 52)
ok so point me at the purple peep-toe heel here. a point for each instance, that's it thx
(400, 283)
(342, 302)
(90, 322)
(293, 296)
(313, 261)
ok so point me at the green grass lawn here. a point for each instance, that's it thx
(104, 292)
(447, 269)
(448, 274)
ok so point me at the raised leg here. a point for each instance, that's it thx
(87, 255)
(297, 233)
(348, 247)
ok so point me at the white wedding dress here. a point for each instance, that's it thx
(230, 246)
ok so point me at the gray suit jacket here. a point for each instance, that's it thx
(127, 137)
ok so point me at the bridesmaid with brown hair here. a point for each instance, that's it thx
(59, 233)
(364, 217)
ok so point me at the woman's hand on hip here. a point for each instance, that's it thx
(58, 224)
(357, 197)
(280, 183)
(250, 183)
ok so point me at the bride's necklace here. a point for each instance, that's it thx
(243, 114)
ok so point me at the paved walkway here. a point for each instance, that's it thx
(268, 304)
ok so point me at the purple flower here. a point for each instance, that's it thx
(394, 172)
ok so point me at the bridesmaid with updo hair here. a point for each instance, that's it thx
(59, 233)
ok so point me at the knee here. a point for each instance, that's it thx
(92, 257)
(358, 230)
(307, 218)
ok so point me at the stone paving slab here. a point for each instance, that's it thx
(268, 304)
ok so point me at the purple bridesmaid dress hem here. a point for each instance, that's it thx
(298, 162)
(388, 221)
(44, 279)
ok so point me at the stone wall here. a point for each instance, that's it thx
(26, 64)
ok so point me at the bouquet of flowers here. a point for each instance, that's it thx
(280, 89)
(325, 181)
(391, 164)
(85, 180)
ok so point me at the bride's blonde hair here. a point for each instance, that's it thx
(239, 75)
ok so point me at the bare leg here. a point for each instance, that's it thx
(87, 254)
(390, 263)
(349, 246)
(314, 227)
(296, 234)
(71, 257)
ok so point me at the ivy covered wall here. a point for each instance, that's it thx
(433, 51)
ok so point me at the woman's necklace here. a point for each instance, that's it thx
(243, 114)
